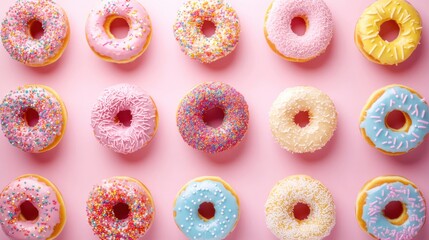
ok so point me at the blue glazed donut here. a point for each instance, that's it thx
(377, 194)
(206, 190)
(384, 101)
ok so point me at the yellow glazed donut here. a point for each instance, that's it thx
(280, 214)
(322, 119)
(367, 30)
(375, 198)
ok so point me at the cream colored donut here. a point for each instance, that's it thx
(322, 119)
(287, 193)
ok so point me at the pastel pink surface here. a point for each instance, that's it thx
(257, 163)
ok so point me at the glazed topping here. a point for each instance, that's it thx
(186, 210)
(379, 197)
(318, 34)
(368, 30)
(190, 19)
(102, 201)
(41, 196)
(300, 189)
(115, 135)
(207, 96)
(118, 49)
(322, 119)
(15, 28)
(13, 123)
(386, 139)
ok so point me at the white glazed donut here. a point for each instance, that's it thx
(279, 209)
(322, 116)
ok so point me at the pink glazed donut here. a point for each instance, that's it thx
(111, 132)
(32, 208)
(104, 43)
(281, 38)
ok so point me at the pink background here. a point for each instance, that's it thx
(254, 166)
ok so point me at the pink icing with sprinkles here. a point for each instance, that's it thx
(20, 45)
(187, 29)
(113, 134)
(15, 127)
(105, 196)
(42, 196)
(318, 34)
(119, 49)
(205, 97)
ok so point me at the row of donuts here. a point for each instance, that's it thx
(298, 207)
(33, 118)
(23, 47)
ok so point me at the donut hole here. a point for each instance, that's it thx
(298, 25)
(124, 118)
(36, 29)
(302, 118)
(31, 117)
(301, 211)
(397, 120)
(393, 210)
(389, 30)
(208, 28)
(213, 117)
(206, 211)
(117, 27)
(28, 211)
(121, 210)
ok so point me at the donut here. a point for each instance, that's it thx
(111, 132)
(51, 123)
(321, 114)
(31, 207)
(17, 39)
(290, 46)
(104, 44)
(380, 104)
(203, 98)
(120, 208)
(190, 19)
(378, 50)
(374, 198)
(286, 195)
(212, 191)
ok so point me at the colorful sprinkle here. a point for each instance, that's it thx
(190, 19)
(207, 96)
(24, 48)
(49, 126)
(112, 191)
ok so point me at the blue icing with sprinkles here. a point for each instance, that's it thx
(194, 226)
(377, 199)
(389, 140)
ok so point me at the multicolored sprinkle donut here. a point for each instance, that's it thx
(199, 100)
(19, 43)
(211, 190)
(106, 197)
(50, 127)
(105, 44)
(287, 44)
(110, 132)
(378, 50)
(386, 100)
(190, 19)
(321, 113)
(42, 195)
(377, 194)
(300, 189)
